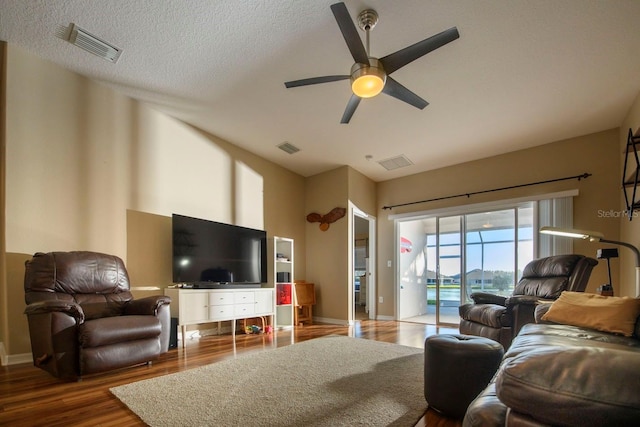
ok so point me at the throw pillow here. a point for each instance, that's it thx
(608, 314)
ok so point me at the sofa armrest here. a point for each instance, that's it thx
(486, 298)
(522, 310)
(146, 306)
(575, 385)
(541, 310)
(51, 306)
(522, 299)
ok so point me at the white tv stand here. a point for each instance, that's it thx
(196, 306)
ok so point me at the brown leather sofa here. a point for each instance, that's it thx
(501, 318)
(83, 318)
(563, 375)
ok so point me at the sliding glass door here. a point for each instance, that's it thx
(446, 258)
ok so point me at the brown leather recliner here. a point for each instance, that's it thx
(501, 318)
(83, 318)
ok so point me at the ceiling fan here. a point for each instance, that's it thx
(369, 76)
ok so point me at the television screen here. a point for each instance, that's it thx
(209, 252)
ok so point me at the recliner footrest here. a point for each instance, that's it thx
(117, 329)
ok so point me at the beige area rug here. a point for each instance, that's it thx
(331, 381)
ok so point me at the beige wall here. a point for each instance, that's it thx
(362, 192)
(330, 253)
(327, 251)
(629, 230)
(597, 154)
(90, 169)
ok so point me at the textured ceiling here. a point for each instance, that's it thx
(522, 73)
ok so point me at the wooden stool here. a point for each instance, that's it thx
(304, 300)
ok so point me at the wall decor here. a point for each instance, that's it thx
(630, 173)
(325, 220)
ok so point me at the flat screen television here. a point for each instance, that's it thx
(209, 254)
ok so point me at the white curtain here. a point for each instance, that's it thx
(555, 213)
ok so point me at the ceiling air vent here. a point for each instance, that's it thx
(87, 41)
(288, 148)
(395, 162)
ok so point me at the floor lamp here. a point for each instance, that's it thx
(607, 253)
(594, 236)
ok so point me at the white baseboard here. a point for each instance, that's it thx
(13, 359)
(385, 317)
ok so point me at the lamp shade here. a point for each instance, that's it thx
(368, 81)
(593, 236)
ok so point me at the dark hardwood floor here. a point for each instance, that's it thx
(31, 397)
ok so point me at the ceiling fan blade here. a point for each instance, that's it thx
(395, 89)
(396, 60)
(315, 81)
(350, 33)
(351, 108)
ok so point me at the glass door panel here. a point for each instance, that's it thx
(525, 238)
(490, 248)
(449, 270)
(417, 270)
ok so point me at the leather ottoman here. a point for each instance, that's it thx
(456, 369)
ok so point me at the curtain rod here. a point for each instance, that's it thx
(578, 177)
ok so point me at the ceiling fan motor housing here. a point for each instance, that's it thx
(367, 80)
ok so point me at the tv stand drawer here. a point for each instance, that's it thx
(221, 298)
(243, 311)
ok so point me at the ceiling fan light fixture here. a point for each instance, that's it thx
(368, 81)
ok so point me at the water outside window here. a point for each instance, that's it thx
(453, 256)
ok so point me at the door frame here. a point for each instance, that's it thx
(371, 263)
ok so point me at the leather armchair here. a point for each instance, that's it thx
(83, 318)
(501, 318)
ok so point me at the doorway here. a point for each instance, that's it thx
(363, 277)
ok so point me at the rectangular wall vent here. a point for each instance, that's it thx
(87, 41)
(395, 162)
(288, 148)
